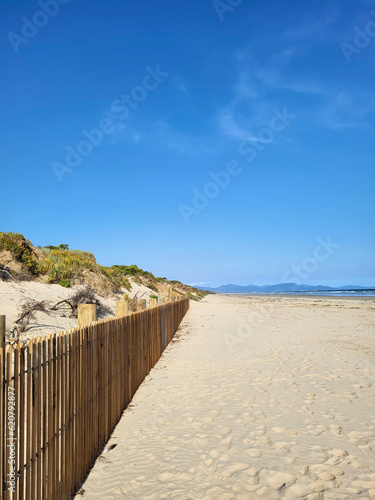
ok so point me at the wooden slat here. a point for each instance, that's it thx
(50, 427)
(9, 383)
(83, 403)
(93, 392)
(15, 393)
(90, 382)
(105, 381)
(70, 392)
(34, 396)
(98, 355)
(23, 420)
(61, 348)
(29, 423)
(77, 408)
(73, 386)
(54, 421)
(66, 457)
(70, 440)
(59, 412)
(45, 419)
(40, 420)
(2, 408)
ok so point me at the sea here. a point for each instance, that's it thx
(327, 293)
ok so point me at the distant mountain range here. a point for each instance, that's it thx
(282, 287)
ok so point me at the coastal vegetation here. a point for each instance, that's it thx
(21, 260)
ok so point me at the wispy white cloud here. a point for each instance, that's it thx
(272, 79)
(179, 83)
(162, 134)
(319, 28)
(235, 127)
(259, 87)
(345, 110)
(247, 110)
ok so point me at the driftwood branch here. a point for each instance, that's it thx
(30, 307)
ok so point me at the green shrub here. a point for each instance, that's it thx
(84, 255)
(116, 277)
(133, 270)
(60, 247)
(194, 297)
(65, 283)
(60, 265)
(21, 250)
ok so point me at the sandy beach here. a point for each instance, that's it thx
(256, 397)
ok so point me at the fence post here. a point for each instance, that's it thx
(122, 308)
(141, 304)
(86, 314)
(153, 302)
(3, 464)
(2, 331)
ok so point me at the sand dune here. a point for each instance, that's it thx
(13, 295)
(257, 397)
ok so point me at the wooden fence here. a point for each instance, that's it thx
(63, 394)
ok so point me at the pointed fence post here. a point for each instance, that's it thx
(2, 331)
(141, 304)
(86, 314)
(122, 308)
(153, 302)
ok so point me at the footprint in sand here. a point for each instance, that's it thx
(164, 476)
(314, 429)
(260, 415)
(319, 485)
(201, 440)
(238, 467)
(305, 410)
(283, 430)
(284, 446)
(311, 398)
(207, 464)
(335, 429)
(253, 452)
(275, 479)
(223, 430)
(227, 443)
(328, 416)
(339, 416)
(197, 425)
(215, 454)
(273, 403)
(336, 452)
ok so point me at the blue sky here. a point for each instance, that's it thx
(119, 119)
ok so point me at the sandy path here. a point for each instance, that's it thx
(258, 397)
